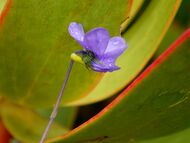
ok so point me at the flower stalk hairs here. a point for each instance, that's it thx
(99, 53)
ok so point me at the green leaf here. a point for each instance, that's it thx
(183, 136)
(143, 39)
(2, 5)
(173, 33)
(135, 7)
(156, 104)
(27, 125)
(65, 117)
(183, 17)
(180, 137)
(35, 47)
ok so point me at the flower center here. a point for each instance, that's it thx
(88, 57)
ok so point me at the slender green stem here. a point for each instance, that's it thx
(55, 109)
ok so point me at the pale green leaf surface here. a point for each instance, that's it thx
(156, 106)
(143, 39)
(65, 117)
(2, 4)
(136, 5)
(27, 125)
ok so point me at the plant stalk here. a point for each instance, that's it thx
(55, 109)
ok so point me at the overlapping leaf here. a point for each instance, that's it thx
(27, 125)
(143, 39)
(65, 117)
(156, 104)
(135, 7)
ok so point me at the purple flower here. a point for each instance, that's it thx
(100, 51)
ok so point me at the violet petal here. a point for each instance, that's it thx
(115, 48)
(77, 32)
(102, 67)
(97, 40)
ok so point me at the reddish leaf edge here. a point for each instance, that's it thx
(148, 70)
(5, 136)
(5, 11)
